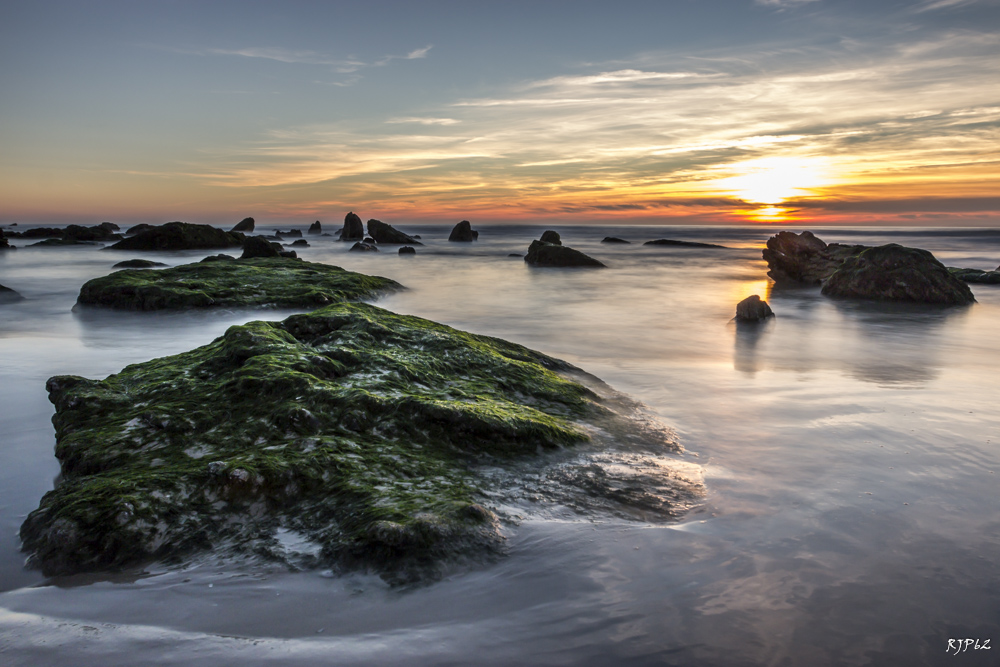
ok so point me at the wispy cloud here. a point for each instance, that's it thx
(669, 136)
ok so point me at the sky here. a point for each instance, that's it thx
(773, 112)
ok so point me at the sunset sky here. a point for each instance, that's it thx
(672, 112)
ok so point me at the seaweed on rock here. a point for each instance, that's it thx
(357, 429)
(276, 282)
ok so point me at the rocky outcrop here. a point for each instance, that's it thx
(7, 295)
(463, 232)
(373, 439)
(895, 273)
(803, 258)
(976, 276)
(106, 231)
(550, 236)
(274, 282)
(316, 228)
(363, 246)
(753, 309)
(245, 225)
(354, 229)
(60, 242)
(137, 264)
(613, 239)
(549, 254)
(180, 236)
(5, 244)
(682, 244)
(291, 233)
(258, 246)
(385, 233)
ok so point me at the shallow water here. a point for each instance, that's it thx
(850, 455)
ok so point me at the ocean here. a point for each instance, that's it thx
(850, 454)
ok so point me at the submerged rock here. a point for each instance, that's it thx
(301, 243)
(373, 437)
(245, 225)
(179, 236)
(7, 295)
(895, 273)
(548, 254)
(275, 282)
(354, 229)
(976, 276)
(753, 309)
(613, 239)
(550, 236)
(316, 228)
(137, 264)
(407, 250)
(463, 232)
(384, 233)
(683, 244)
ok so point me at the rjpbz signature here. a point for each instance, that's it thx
(956, 646)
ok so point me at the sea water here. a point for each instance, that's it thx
(850, 454)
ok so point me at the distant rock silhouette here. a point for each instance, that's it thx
(683, 244)
(180, 236)
(245, 225)
(463, 232)
(549, 236)
(541, 253)
(316, 228)
(354, 229)
(613, 239)
(384, 233)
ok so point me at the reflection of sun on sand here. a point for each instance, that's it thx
(773, 180)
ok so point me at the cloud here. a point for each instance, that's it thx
(783, 3)
(424, 121)
(932, 5)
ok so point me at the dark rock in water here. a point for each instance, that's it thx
(60, 242)
(549, 254)
(110, 226)
(803, 258)
(316, 228)
(219, 258)
(896, 273)
(258, 246)
(7, 295)
(463, 232)
(273, 282)
(683, 244)
(514, 254)
(245, 225)
(369, 239)
(180, 236)
(373, 437)
(407, 250)
(293, 233)
(976, 276)
(550, 236)
(383, 233)
(102, 232)
(5, 244)
(613, 239)
(136, 229)
(753, 309)
(301, 243)
(417, 236)
(137, 264)
(40, 233)
(361, 246)
(354, 229)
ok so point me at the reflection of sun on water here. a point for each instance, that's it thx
(743, 289)
(773, 180)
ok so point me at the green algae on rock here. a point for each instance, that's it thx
(352, 427)
(275, 282)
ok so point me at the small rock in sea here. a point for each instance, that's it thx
(407, 250)
(301, 243)
(7, 295)
(385, 233)
(368, 239)
(896, 273)
(753, 309)
(5, 244)
(549, 254)
(514, 254)
(294, 233)
(137, 264)
(257, 246)
(354, 229)
(316, 228)
(219, 258)
(179, 236)
(361, 246)
(463, 232)
(613, 239)
(683, 244)
(244, 225)
(550, 236)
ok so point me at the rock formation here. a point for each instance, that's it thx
(541, 253)
(384, 233)
(463, 232)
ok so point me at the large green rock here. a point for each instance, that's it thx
(276, 282)
(351, 430)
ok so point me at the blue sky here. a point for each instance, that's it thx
(674, 111)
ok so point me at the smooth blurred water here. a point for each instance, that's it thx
(850, 453)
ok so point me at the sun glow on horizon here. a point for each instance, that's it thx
(772, 180)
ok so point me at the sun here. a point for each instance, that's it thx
(773, 180)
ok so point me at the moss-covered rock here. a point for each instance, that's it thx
(276, 282)
(355, 428)
(179, 236)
